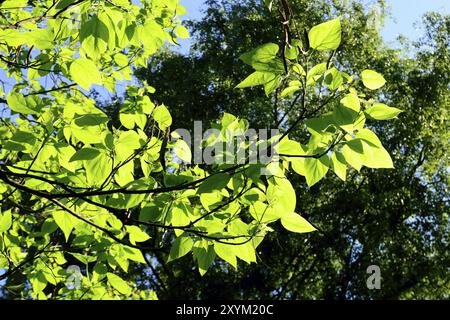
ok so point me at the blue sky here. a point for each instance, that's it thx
(404, 14)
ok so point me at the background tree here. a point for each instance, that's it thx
(397, 219)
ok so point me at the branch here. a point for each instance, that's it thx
(51, 90)
(186, 228)
(182, 186)
(73, 213)
(23, 263)
(41, 18)
(294, 102)
(242, 192)
(316, 156)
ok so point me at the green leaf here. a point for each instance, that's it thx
(134, 254)
(351, 101)
(208, 200)
(380, 111)
(180, 247)
(41, 39)
(296, 223)
(38, 281)
(225, 252)
(245, 252)
(99, 272)
(290, 147)
(45, 66)
(281, 195)
(180, 216)
(298, 165)
(162, 116)
(136, 234)
(98, 168)
(333, 79)
(121, 59)
(214, 182)
(344, 118)
(118, 283)
(353, 153)
(83, 258)
(372, 79)
(318, 126)
(94, 36)
(64, 153)
(289, 91)
(5, 221)
(205, 257)
(316, 169)
(293, 51)
(326, 36)
(263, 213)
(49, 226)
(297, 68)
(130, 139)
(85, 73)
(346, 114)
(182, 150)
(85, 154)
(339, 165)
(375, 156)
(272, 85)
(256, 78)
(24, 137)
(156, 40)
(125, 174)
(14, 146)
(64, 4)
(316, 73)
(370, 137)
(129, 120)
(275, 66)
(21, 104)
(65, 222)
(87, 135)
(264, 53)
(128, 142)
(182, 32)
(91, 119)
